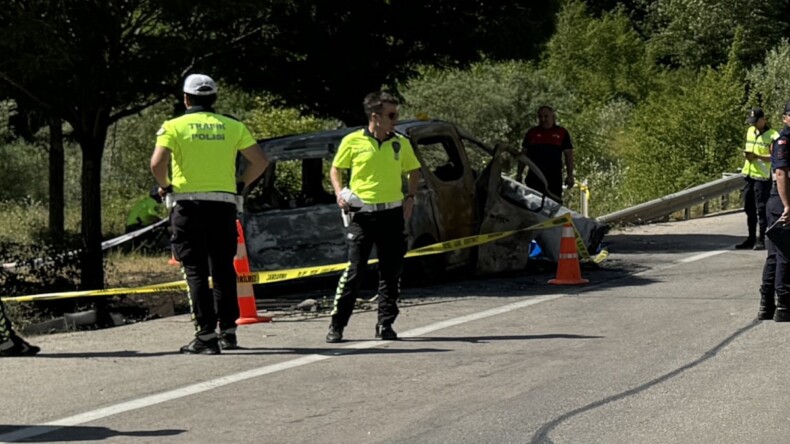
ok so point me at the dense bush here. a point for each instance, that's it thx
(770, 83)
(686, 136)
(640, 130)
(43, 267)
(495, 102)
(599, 59)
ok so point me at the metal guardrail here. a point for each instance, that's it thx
(666, 205)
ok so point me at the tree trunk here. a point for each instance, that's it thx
(92, 264)
(56, 179)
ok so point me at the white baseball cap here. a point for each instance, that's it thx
(200, 85)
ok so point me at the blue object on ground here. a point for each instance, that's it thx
(534, 250)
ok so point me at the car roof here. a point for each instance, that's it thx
(322, 143)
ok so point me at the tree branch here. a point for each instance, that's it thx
(230, 44)
(135, 109)
(25, 92)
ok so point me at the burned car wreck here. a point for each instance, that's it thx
(462, 193)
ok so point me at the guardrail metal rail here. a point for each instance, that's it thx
(682, 200)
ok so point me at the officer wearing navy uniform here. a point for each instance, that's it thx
(202, 192)
(775, 289)
(378, 158)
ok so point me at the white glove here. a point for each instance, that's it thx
(354, 202)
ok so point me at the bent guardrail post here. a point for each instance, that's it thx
(663, 206)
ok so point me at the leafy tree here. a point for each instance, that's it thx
(597, 132)
(268, 120)
(24, 121)
(513, 91)
(698, 33)
(770, 83)
(93, 63)
(600, 59)
(331, 54)
(687, 134)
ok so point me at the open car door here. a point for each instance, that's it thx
(502, 214)
(447, 197)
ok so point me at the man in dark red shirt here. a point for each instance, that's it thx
(546, 145)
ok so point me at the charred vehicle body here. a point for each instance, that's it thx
(462, 193)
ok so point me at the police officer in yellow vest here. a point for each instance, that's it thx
(147, 211)
(203, 146)
(378, 158)
(757, 172)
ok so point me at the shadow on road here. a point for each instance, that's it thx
(332, 351)
(533, 283)
(81, 433)
(614, 272)
(669, 243)
(486, 339)
(107, 354)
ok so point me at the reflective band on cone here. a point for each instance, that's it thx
(248, 311)
(568, 269)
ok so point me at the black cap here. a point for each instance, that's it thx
(754, 115)
(787, 109)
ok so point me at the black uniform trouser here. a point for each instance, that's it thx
(776, 272)
(385, 230)
(755, 197)
(554, 182)
(204, 240)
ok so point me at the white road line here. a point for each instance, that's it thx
(698, 257)
(201, 387)
(194, 389)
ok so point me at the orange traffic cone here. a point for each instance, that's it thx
(568, 270)
(248, 311)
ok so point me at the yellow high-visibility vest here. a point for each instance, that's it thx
(760, 144)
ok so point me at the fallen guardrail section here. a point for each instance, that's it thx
(682, 200)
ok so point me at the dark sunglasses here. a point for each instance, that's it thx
(391, 116)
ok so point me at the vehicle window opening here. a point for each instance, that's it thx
(292, 184)
(440, 157)
(479, 156)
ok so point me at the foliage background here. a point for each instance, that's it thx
(648, 116)
(654, 94)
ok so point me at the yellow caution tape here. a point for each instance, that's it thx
(267, 277)
(480, 239)
(157, 288)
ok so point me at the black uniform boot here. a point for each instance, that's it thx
(386, 333)
(748, 244)
(334, 335)
(767, 308)
(782, 313)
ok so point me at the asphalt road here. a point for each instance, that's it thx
(661, 347)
